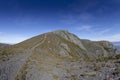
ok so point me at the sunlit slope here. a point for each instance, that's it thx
(58, 55)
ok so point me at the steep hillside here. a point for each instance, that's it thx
(59, 55)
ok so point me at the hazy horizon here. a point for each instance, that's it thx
(88, 19)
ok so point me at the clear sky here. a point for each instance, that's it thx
(88, 19)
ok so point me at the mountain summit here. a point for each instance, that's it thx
(57, 55)
(64, 43)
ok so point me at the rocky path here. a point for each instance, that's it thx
(42, 41)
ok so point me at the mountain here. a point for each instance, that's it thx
(58, 55)
(3, 45)
(117, 45)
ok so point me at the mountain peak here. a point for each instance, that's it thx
(64, 33)
(57, 55)
(60, 31)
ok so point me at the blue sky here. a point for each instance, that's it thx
(88, 19)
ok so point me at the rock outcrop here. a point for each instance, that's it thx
(91, 48)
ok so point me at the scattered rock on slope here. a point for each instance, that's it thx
(58, 55)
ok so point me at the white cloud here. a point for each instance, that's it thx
(91, 30)
(104, 31)
(115, 37)
(112, 38)
(98, 34)
(71, 19)
(84, 27)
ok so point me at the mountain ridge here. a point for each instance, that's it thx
(57, 55)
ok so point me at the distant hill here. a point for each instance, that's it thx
(117, 45)
(3, 44)
(57, 55)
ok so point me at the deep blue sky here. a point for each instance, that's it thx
(88, 19)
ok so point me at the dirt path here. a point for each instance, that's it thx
(42, 41)
(30, 53)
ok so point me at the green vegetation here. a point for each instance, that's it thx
(55, 76)
(9, 51)
(108, 58)
(53, 51)
(97, 68)
(117, 56)
(74, 77)
(89, 59)
(29, 43)
(84, 75)
(105, 58)
(4, 53)
(22, 73)
(117, 71)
